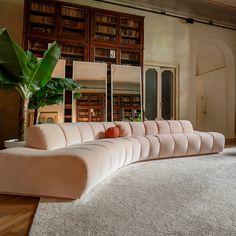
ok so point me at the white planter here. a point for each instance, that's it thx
(13, 143)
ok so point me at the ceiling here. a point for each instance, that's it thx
(221, 12)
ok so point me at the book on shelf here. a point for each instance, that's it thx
(130, 23)
(47, 20)
(43, 29)
(106, 19)
(44, 8)
(130, 33)
(129, 56)
(72, 12)
(73, 24)
(129, 41)
(37, 46)
(106, 37)
(105, 29)
(73, 50)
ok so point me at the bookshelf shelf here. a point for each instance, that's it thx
(90, 107)
(126, 106)
(104, 27)
(41, 13)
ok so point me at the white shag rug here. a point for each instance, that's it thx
(184, 196)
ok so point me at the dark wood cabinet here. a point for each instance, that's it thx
(91, 107)
(126, 106)
(84, 34)
(104, 27)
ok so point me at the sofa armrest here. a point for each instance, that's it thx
(211, 142)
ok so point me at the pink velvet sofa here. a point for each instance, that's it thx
(68, 160)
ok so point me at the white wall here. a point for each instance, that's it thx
(172, 41)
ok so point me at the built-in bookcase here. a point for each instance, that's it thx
(84, 34)
(73, 21)
(104, 28)
(126, 106)
(90, 107)
(42, 18)
(131, 32)
(131, 57)
(100, 53)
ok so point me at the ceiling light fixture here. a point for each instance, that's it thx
(190, 20)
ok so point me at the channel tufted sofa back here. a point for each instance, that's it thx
(55, 136)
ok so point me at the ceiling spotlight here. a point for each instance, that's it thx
(189, 20)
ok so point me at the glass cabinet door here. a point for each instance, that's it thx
(159, 89)
(151, 94)
(167, 106)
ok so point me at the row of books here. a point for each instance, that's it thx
(105, 29)
(129, 56)
(45, 8)
(38, 46)
(129, 41)
(72, 12)
(106, 19)
(48, 20)
(72, 50)
(102, 52)
(73, 24)
(128, 32)
(105, 37)
(130, 23)
(43, 30)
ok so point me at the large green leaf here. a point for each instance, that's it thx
(29, 73)
(9, 60)
(52, 93)
(6, 79)
(40, 75)
(23, 71)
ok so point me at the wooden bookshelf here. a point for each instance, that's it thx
(131, 57)
(84, 34)
(126, 106)
(42, 18)
(91, 107)
(104, 27)
(73, 21)
(104, 54)
(131, 31)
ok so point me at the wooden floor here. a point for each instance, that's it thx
(16, 214)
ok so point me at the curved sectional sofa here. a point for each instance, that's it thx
(67, 160)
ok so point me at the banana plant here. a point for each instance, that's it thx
(21, 70)
(52, 94)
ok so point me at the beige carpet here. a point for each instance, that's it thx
(184, 196)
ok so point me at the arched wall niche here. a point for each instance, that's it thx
(214, 60)
(210, 57)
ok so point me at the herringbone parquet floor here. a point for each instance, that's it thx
(16, 214)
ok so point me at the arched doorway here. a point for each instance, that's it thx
(215, 88)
